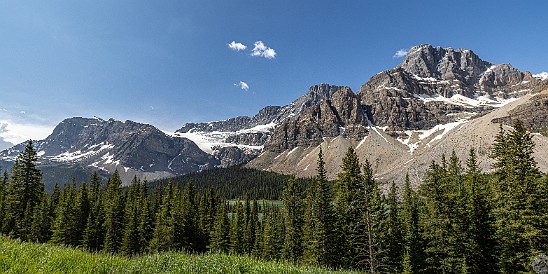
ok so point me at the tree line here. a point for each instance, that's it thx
(459, 220)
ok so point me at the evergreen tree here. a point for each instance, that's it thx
(164, 230)
(146, 225)
(237, 230)
(272, 241)
(347, 213)
(318, 220)
(23, 192)
(82, 208)
(392, 234)
(3, 189)
(436, 220)
(113, 207)
(131, 238)
(481, 246)
(94, 233)
(367, 229)
(414, 256)
(40, 230)
(190, 236)
(251, 220)
(293, 221)
(65, 225)
(220, 239)
(519, 200)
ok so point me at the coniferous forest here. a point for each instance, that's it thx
(459, 220)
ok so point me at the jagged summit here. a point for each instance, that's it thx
(404, 111)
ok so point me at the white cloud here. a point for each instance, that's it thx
(236, 46)
(243, 85)
(400, 53)
(16, 133)
(261, 50)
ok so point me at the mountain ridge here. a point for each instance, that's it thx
(402, 111)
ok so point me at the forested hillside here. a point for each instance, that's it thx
(234, 182)
(460, 220)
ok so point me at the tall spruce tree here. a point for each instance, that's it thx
(220, 235)
(23, 192)
(164, 230)
(347, 214)
(392, 234)
(94, 233)
(114, 214)
(293, 221)
(480, 247)
(237, 229)
(131, 238)
(318, 234)
(367, 227)
(519, 200)
(414, 256)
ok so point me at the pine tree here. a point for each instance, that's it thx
(318, 220)
(40, 230)
(64, 226)
(146, 225)
(347, 214)
(220, 239)
(519, 200)
(293, 221)
(414, 257)
(190, 238)
(251, 220)
(237, 230)
(392, 234)
(436, 221)
(94, 233)
(272, 240)
(366, 232)
(3, 189)
(130, 242)
(164, 230)
(113, 207)
(23, 192)
(481, 246)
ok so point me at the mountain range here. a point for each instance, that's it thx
(437, 100)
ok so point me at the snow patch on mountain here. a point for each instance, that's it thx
(477, 101)
(542, 76)
(210, 141)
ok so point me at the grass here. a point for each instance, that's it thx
(21, 257)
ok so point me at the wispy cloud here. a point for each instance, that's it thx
(236, 46)
(243, 85)
(400, 53)
(15, 133)
(261, 50)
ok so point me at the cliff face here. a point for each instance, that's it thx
(340, 114)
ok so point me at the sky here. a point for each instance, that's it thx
(166, 63)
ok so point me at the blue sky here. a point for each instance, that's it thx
(168, 62)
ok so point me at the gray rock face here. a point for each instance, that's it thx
(395, 98)
(111, 144)
(340, 114)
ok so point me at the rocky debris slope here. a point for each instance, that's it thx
(533, 114)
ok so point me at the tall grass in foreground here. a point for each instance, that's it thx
(22, 257)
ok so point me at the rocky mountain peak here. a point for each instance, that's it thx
(427, 61)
